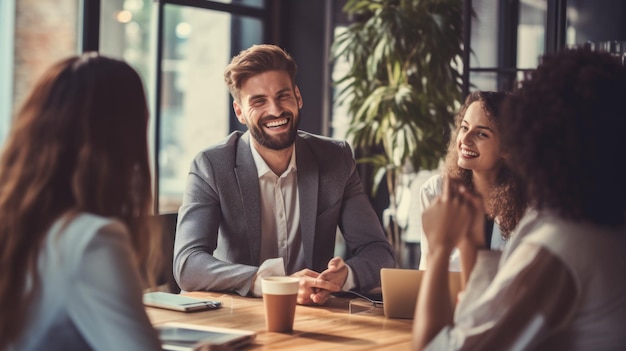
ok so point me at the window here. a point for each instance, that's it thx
(596, 21)
(181, 49)
(7, 8)
(507, 39)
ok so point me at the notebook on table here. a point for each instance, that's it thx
(187, 337)
(400, 289)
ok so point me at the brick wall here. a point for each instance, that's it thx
(45, 32)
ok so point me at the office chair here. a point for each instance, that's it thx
(166, 222)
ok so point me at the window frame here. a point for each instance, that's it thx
(89, 40)
(508, 18)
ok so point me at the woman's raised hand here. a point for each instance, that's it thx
(451, 217)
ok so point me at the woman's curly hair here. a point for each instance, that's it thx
(564, 130)
(506, 201)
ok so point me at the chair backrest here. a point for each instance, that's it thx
(166, 222)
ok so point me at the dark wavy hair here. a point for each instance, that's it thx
(565, 133)
(506, 200)
(78, 144)
(254, 60)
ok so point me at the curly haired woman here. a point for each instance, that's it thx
(558, 284)
(476, 157)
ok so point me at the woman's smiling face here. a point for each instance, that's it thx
(478, 141)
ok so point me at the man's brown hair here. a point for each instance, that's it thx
(254, 60)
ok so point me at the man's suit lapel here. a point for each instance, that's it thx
(248, 180)
(308, 180)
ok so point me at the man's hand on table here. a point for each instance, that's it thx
(315, 288)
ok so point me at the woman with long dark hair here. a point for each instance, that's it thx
(74, 199)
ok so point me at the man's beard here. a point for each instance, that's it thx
(275, 142)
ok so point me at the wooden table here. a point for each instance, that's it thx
(329, 327)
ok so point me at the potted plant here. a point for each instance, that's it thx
(402, 86)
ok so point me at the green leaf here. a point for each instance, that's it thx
(403, 80)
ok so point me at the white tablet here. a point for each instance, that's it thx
(187, 337)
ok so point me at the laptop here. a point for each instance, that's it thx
(400, 288)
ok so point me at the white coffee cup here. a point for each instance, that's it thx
(279, 297)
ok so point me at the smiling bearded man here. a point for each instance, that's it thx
(269, 106)
(270, 201)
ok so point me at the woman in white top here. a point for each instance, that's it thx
(476, 157)
(559, 283)
(74, 196)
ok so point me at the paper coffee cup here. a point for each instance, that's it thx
(279, 298)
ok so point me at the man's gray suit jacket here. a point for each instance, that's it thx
(217, 245)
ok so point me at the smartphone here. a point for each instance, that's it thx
(179, 302)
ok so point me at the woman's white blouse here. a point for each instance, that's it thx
(90, 297)
(558, 285)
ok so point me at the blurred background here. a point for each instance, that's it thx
(180, 47)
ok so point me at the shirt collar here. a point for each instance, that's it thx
(261, 166)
